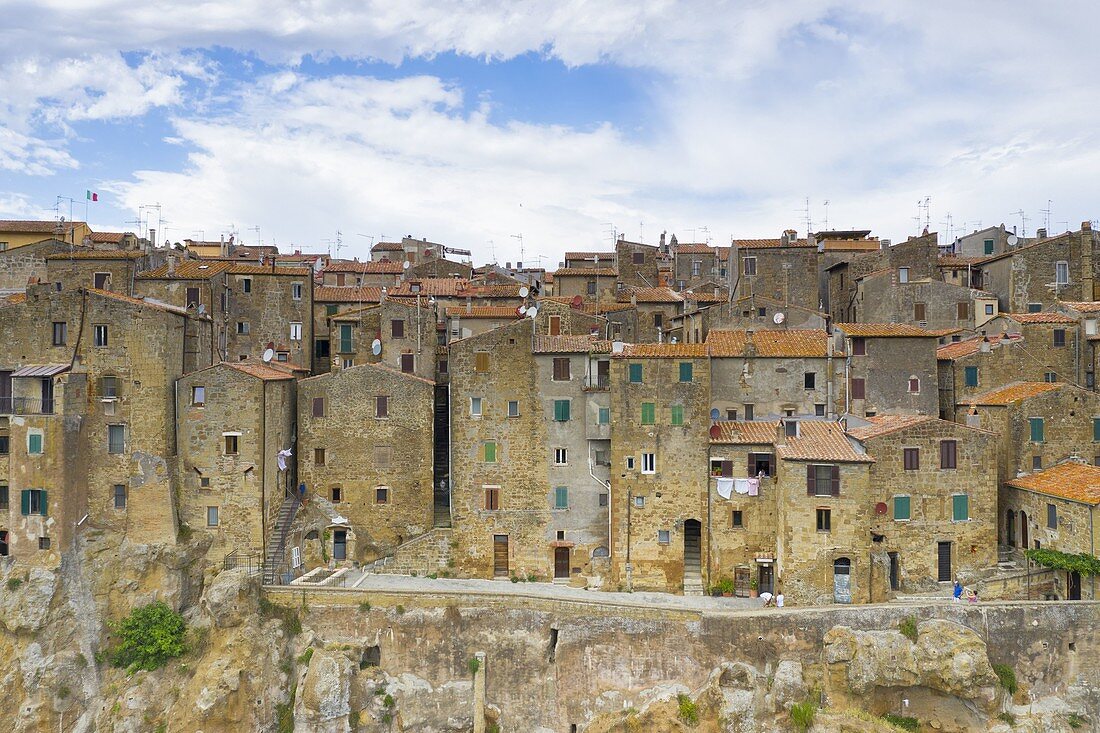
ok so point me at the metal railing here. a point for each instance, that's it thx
(26, 406)
(252, 563)
(277, 555)
(597, 382)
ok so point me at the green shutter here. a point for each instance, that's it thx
(490, 452)
(44, 502)
(605, 415)
(561, 498)
(1036, 429)
(34, 443)
(649, 413)
(685, 371)
(960, 507)
(901, 507)
(677, 414)
(345, 337)
(636, 373)
(972, 376)
(988, 245)
(1096, 428)
(561, 410)
(25, 501)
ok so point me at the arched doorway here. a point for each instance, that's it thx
(692, 532)
(1023, 529)
(1010, 528)
(1073, 583)
(842, 580)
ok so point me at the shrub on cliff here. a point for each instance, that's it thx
(148, 637)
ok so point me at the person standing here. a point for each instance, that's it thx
(958, 590)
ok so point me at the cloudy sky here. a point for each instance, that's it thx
(561, 121)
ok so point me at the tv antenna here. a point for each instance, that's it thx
(924, 209)
(1047, 212)
(947, 221)
(805, 211)
(609, 227)
(492, 251)
(1023, 221)
(520, 238)
(257, 230)
(339, 242)
(826, 214)
(367, 236)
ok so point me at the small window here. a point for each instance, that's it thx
(295, 331)
(204, 482)
(649, 413)
(242, 328)
(639, 502)
(43, 543)
(100, 280)
(630, 463)
(859, 346)
(1096, 428)
(561, 369)
(901, 508)
(232, 444)
(790, 428)
(382, 406)
(192, 297)
(1034, 307)
(903, 274)
(1036, 463)
(337, 494)
(649, 463)
(296, 291)
(33, 501)
(116, 439)
(331, 309)
(809, 380)
(749, 411)
(662, 537)
(513, 408)
(731, 413)
(561, 497)
(1038, 429)
(99, 335)
(4, 498)
(962, 310)
(677, 414)
(246, 285)
(819, 409)
(603, 500)
(561, 456)
(591, 287)
(108, 387)
(481, 361)
(1059, 337)
(318, 406)
(658, 320)
(561, 410)
(282, 356)
(1050, 376)
(60, 333)
(971, 376)
(636, 373)
(475, 407)
(911, 459)
(638, 258)
(554, 325)
(737, 519)
(492, 498)
(489, 451)
(960, 508)
(603, 416)
(397, 328)
(859, 388)
(823, 480)
(750, 265)
(824, 520)
(989, 309)
(1061, 273)
(34, 443)
(318, 456)
(686, 369)
(5, 444)
(920, 312)
(212, 518)
(987, 247)
(948, 454)
(914, 385)
(1052, 516)
(408, 362)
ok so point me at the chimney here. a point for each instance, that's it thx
(153, 236)
(171, 264)
(634, 300)
(1041, 233)
(507, 265)
(519, 265)
(750, 345)
(469, 305)
(1086, 226)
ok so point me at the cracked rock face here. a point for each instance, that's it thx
(23, 607)
(324, 696)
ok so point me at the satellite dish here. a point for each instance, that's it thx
(523, 291)
(405, 265)
(778, 318)
(1013, 240)
(521, 310)
(715, 414)
(880, 508)
(577, 301)
(376, 347)
(202, 309)
(715, 432)
(269, 354)
(532, 312)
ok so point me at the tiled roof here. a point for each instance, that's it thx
(106, 237)
(650, 295)
(388, 247)
(146, 302)
(381, 267)
(1070, 480)
(1087, 306)
(588, 306)
(563, 344)
(818, 440)
(663, 351)
(883, 424)
(246, 269)
(398, 372)
(43, 227)
(957, 261)
(498, 290)
(327, 294)
(744, 432)
(769, 343)
(706, 297)
(769, 243)
(483, 311)
(603, 256)
(442, 286)
(16, 298)
(98, 254)
(587, 271)
(259, 370)
(1066, 236)
(1014, 392)
(694, 249)
(355, 314)
(886, 330)
(959, 349)
(1041, 317)
(186, 270)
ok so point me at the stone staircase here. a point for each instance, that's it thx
(693, 578)
(423, 555)
(1006, 558)
(276, 548)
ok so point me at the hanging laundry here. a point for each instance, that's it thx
(741, 486)
(754, 487)
(725, 487)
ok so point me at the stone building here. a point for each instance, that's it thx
(1055, 509)
(763, 375)
(693, 264)
(329, 302)
(752, 312)
(20, 266)
(660, 395)
(19, 233)
(884, 297)
(344, 273)
(784, 269)
(439, 267)
(104, 269)
(590, 283)
(1052, 344)
(365, 439)
(1035, 277)
(973, 366)
(232, 419)
(985, 242)
(637, 265)
(891, 368)
(655, 308)
(466, 321)
(1087, 314)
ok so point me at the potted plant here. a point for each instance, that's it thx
(725, 587)
(754, 586)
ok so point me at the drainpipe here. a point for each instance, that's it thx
(829, 409)
(629, 570)
(607, 486)
(847, 390)
(263, 468)
(1092, 551)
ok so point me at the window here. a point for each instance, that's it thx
(246, 285)
(911, 459)
(561, 498)
(1036, 463)
(809, 380)
(859, 388)
(1038, 431)
(100, 280)
(901, 508)
(649, 413)
(318, 456)
(790, 428)
(649, 463)
(295, 331)
(382, 495)
(116, 438)
(822, 480)
(513, 408)
(1034, 307)
(971, 376)
(481, 361)
(33, 501)
(722, 467)
(475, 407)
(920, 312)
(1059, 337)
(561, 456)
(212, 518)
(1061, 273)
(282, 356)
(603, 416)
(696, 268)
(492, 498)
(1052, 516)
(345, 338)
(987, 247)
(737, 519)
(963, 310)
(204, 482)
(591, 287)
(1096, 428)
(99, 335)
(318, 406)
(489, 451)
(120, 496)
(630, 463)
(638, 258)
(989, 309)
(960, 508)
(34, 443)
(337, 494)
(43, 543)
(554, 325)
(561, 410)
(603, 500)
(296, 291)
(561, 368)
(903, 274)
(819, 409)
(331, 309)
(192, 297)
(731, 413)
(639, 502)
(5, 444)
(242, 328)
(408, 362)
(231, 443)
(824, 520)
(750, 266)
(636, 373)
(658, 320)
(662, 537)
(60, 333)
(859, 346)
(677, 414)
(108, 387)
(381, 406)
(948, 454)
(4, 498)
(749, 411)
(397, 328)
(1050, 376)
(686, 370)
(914, 385)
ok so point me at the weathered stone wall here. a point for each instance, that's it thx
(883, 299)
(775, 385)
(887, 368)
(786, 274)
(636, 274)
(19, 264)
(81, 272)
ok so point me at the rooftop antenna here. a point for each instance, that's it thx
(1023, 221)
(706, 232)
(1047, 211)
(608, 226)
(950, 226)
(924, 210)
(520, 238)
(492, 251)
(257, 230)
(1066, 223)
(641, 235)
(339, 242)
(826, 215)
(367, 236)
(805, 211)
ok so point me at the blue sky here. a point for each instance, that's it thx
(470, 123)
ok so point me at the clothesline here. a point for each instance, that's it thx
(728, 486)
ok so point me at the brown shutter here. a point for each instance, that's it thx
(318, 406)
(859, 389)
(835, 480)
(964, 310)
(727, 469)
(811, 480)
(918, 311)
(752, 464)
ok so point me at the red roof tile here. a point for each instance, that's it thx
(609, 272)
(888, 330)
(563, 344)
(483, 311)
(818, 440)
(649, 295)
(187, 270)
(769, 343)
(326, 294)
(1088, 306)
(663, 351)
(769, 243)
(1070, 480)
(883, 424)
(745, 432)
(98, 254)
(1041, 317)
(1015, 392)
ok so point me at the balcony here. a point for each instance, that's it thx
(26, 406)
(597, 383)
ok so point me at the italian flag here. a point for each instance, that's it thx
(91, 195)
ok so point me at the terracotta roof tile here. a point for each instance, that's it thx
(719, 297)
(959, 349)
(1041, 317)
(743, 432)
(609, 272)
(145, 302)
(241, 268)
(186, 270)
(1088, 306)
(957, 261)
(498, 290)
(769, 243)
(883, 424)
(1070, 480)
(442, 286)
(818, 440)
(694, 249)
(16, 298)
(98, 254)
(887, 330)
(769, 343)
(663, 351)
(603, 256)
(259, 370)
(326, 294)
(563, 344)
(43, 227)
(388, 247)
(1014, 392)
(650, 295)
(483, 311)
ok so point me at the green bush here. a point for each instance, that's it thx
(364, 607)
(292, 624)
(1075, 720)
(474, 664)
(1007, 717)
(1006, 676)
(900, 721)
(908, 628)
(492, 728)
(725, 585)
(400, 609)
(689, 711)
(802, 715)
(284, 713)
(14, 583)
(387, 701)
(353, 720)
(306, 656)
(149, 637)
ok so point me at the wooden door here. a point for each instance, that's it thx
(340, 544)
(500, 555)
(1023, 530)
(741, 581)
(561, 562)
(943, 558)
(1074, 585)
